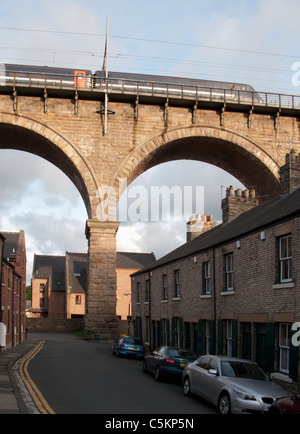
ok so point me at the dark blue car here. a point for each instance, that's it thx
(129, 346)
(168, 362)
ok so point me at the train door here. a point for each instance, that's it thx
(79, 79)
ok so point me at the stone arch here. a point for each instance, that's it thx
(238, 155)
(25, 134)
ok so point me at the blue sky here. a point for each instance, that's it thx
(234, 40)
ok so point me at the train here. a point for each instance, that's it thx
(126, 82)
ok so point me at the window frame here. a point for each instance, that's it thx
(138, 292)
(165, 287)
(206, 278)
(283, 260)
(177, 284)
(229, 282)
(284, 347)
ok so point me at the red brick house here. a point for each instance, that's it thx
(13, 289)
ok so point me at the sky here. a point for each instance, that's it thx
(253, 42)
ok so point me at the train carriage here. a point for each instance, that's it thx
(176, 87)
(44, 75)
(119, 82)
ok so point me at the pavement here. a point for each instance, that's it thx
(12, 390)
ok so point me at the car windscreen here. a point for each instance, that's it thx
(178, 352)
(133, 341)
(243, 370)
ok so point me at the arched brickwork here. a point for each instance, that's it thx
(24, 134)
(236, 154)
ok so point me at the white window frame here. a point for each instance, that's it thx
(229, 271)
(284, 347)
(206, 278)
(285, 258)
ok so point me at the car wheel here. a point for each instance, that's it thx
(275, 409)
(187, 386)
(224, 404)
(145, 370)
(157, 374)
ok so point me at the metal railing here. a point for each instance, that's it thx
(150, 88)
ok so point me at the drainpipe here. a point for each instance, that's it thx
(13, 307)
(1, 257)
(150, 324)
(215, 301)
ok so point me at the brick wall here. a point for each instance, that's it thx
(47, 325)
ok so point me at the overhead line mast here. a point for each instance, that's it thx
(105, 68)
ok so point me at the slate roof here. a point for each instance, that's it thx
(278, 209)
(10, 245)
(77, 271)
(134, 260)
(54, 266)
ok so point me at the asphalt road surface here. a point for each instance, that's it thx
(79, 377)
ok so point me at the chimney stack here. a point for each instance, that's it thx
(290, 173)
(237, 202)
(199, 224)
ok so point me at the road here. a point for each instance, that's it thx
(79, 377)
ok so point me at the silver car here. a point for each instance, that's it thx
(233, 385)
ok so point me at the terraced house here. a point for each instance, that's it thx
(12, 289)
(234, 289)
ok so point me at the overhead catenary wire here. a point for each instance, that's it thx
(156, 41)
(210, 67)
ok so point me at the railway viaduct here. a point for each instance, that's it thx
(67, 128)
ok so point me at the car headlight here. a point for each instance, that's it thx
(243, 395)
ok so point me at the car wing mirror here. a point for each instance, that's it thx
(213, 371)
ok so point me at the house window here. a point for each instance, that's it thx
(78, 299)
(207, 337)
(229, 338)
(147, 299)
(206, 278)
(138, 292)
(229, 272)
(42, 288)
(177, 332)
(285, 259)
(284, 347)
(177, 284)
(165, 331)
(165, 288)
(148, 330)
(9, 279)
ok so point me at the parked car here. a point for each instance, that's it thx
(289, 405)
(233, 385)
(168, 361)
(129, 346)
